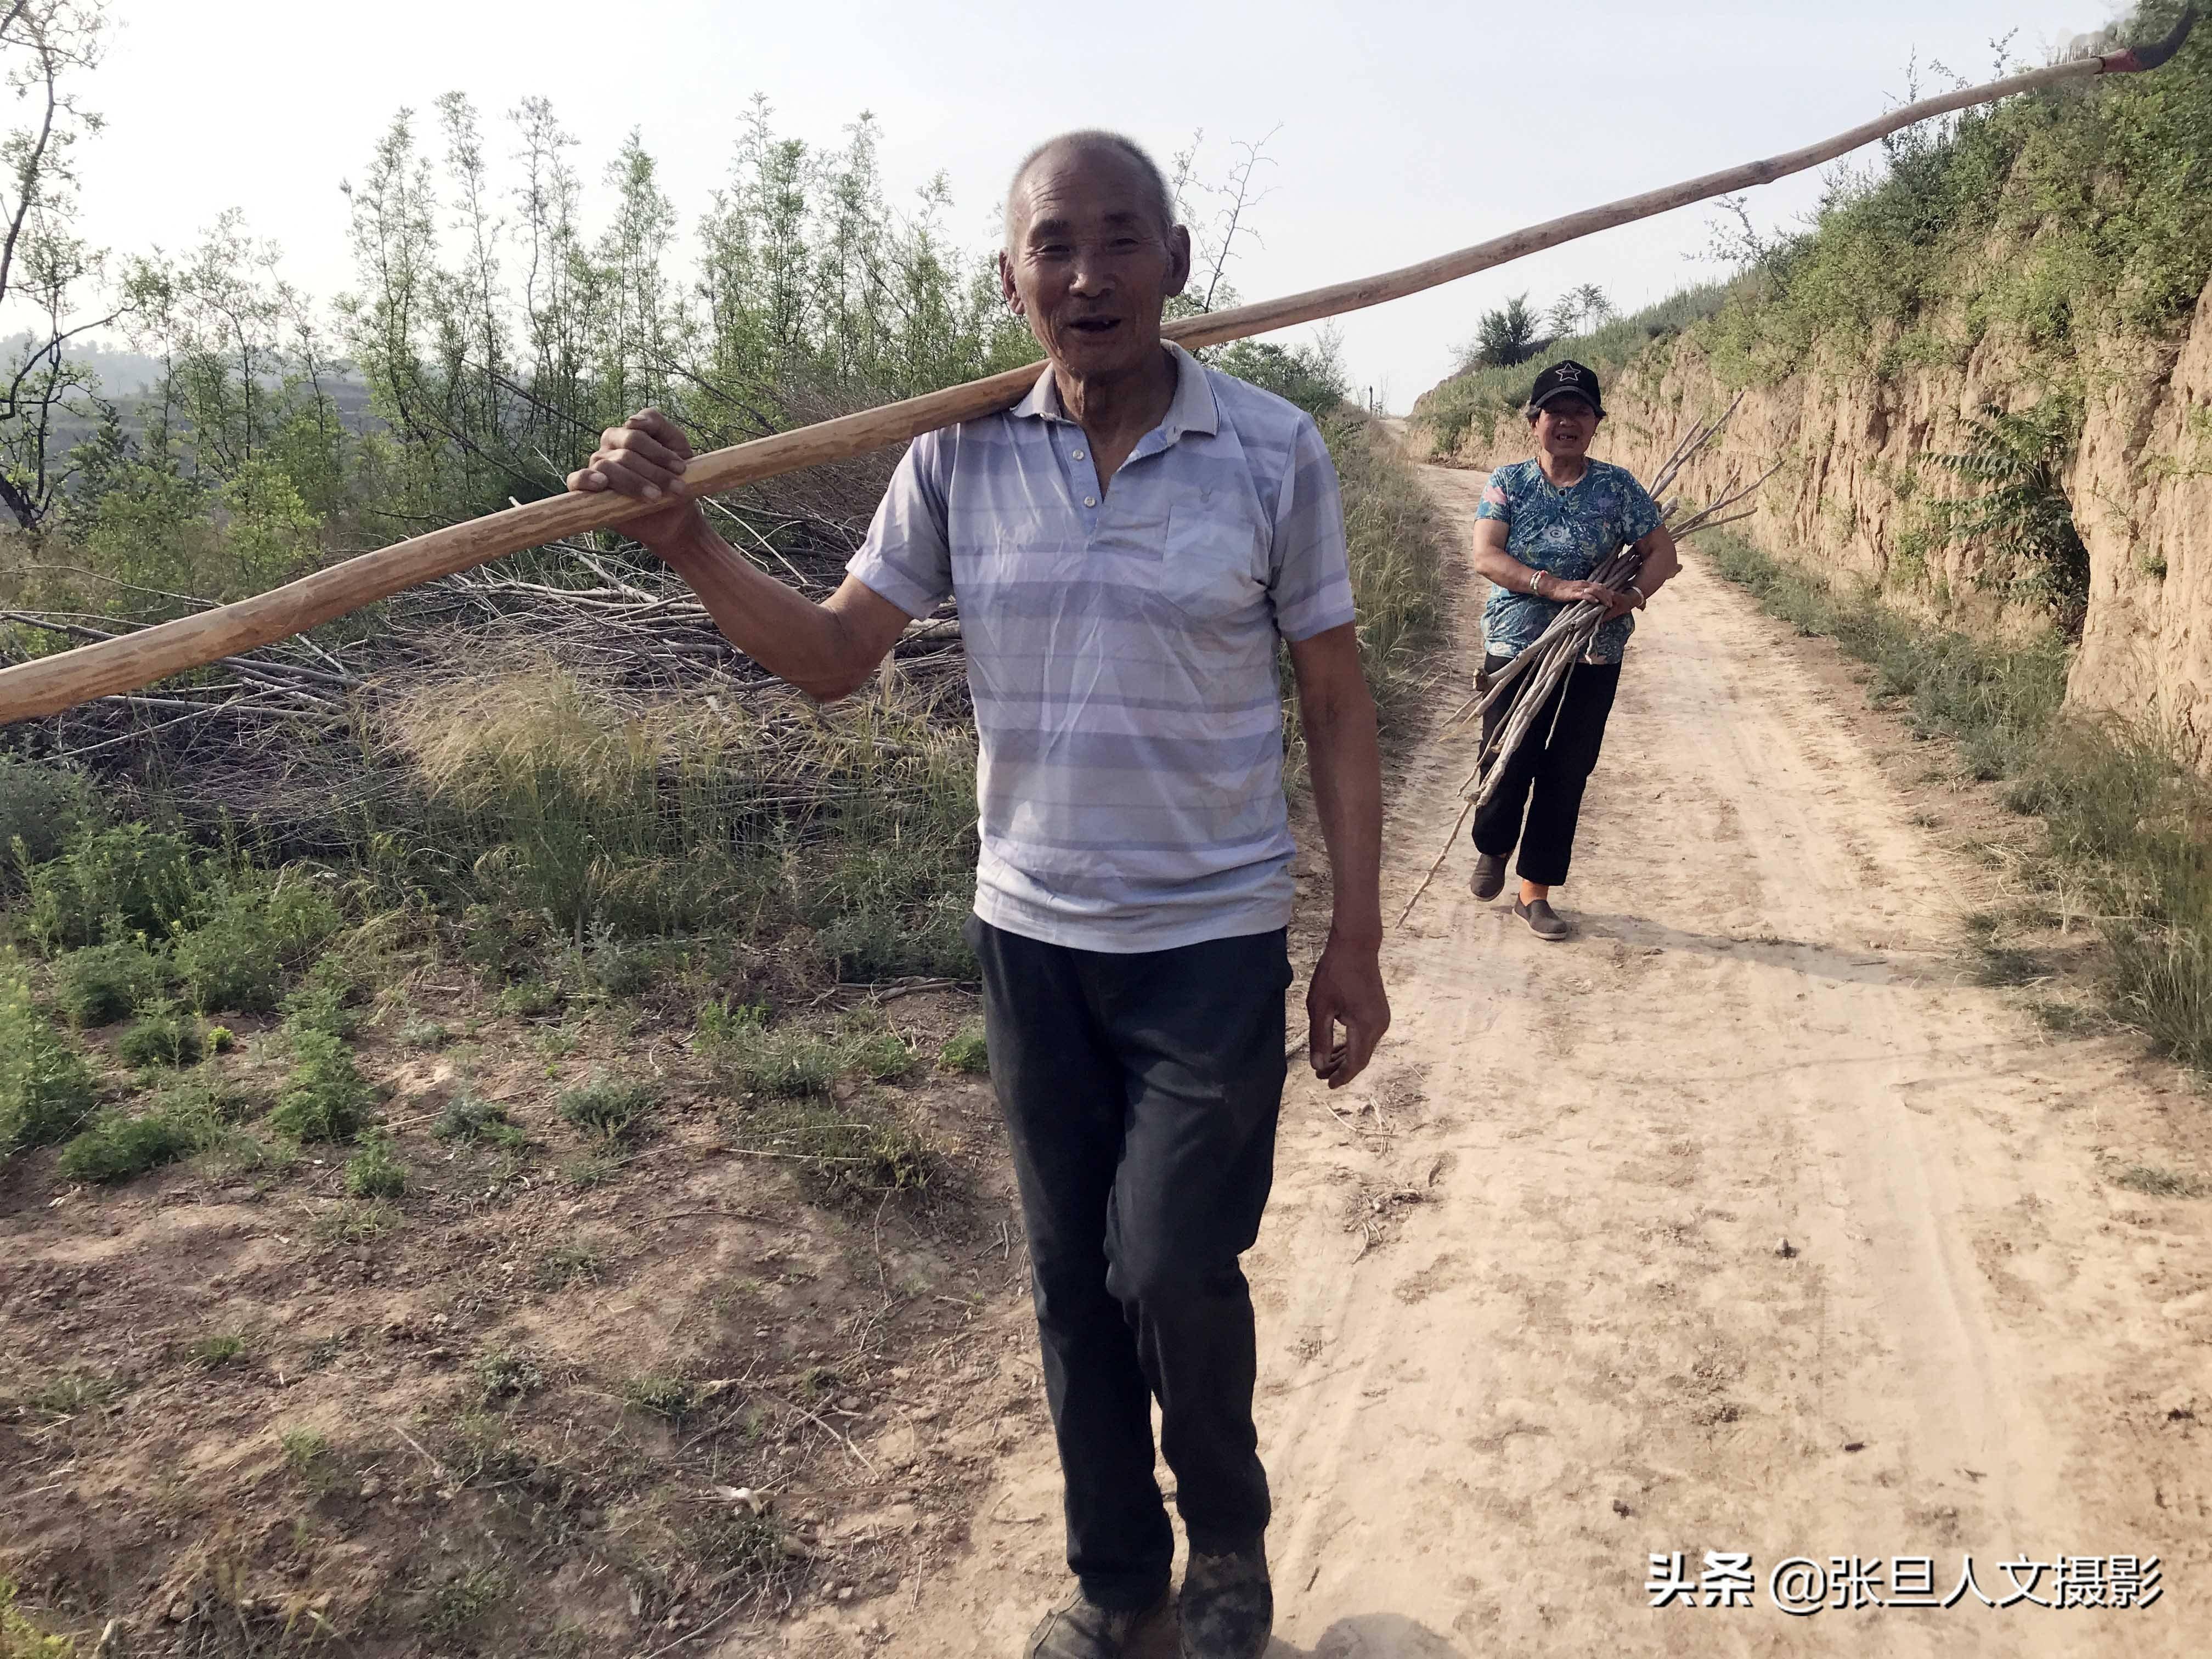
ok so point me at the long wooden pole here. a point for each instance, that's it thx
(48, 685)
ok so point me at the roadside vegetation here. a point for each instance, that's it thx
(2125, 853)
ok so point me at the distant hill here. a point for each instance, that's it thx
(122, 373)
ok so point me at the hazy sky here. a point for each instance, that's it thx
(1400, 130)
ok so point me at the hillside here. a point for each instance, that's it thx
(2018, 297)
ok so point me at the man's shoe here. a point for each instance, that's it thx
(1228, 1605)
(1489, 879)
(1542, 922)
(1078, 1628)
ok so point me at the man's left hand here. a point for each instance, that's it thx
(1346, 987)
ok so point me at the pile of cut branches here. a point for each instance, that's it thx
(288, 735)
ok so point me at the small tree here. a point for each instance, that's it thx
(2020, 519)
(45, 46)
(1505, 337)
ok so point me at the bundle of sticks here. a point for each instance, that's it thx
(1536, 680)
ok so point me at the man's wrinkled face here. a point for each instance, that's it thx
(1565, 425)
(1087, 264)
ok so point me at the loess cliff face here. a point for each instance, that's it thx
(1851, 497)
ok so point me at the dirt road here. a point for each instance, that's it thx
(1526, 1313)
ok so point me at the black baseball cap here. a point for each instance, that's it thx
(1565, 376)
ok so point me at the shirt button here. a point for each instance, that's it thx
(1079, 454)
(1090, 501)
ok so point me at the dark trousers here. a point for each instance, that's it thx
(1545, 776)
(1140, 1094)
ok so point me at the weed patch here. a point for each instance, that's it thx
(665, 1396)
(101, 983)
(325, 1098)
(163, 1035)
(612, 1111)
(375, 1171)
(129, 880)
(465, 1600)
(841, 1150)
(565, 1265)
(477, 1121)
(73, 1395)
(45, 1089)
(252, 931)
(588, 1171)
(965, 1050)
(119, 1145)
(21, 1639)
(2159, 1182)
(505, 1374)
(307, 1459)
(357, 1221)
(220, 1348)
(789, 1061)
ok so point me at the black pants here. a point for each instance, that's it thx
(1140, 1094)
(1545, 778)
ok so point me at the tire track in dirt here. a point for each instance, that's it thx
(1524, 1318)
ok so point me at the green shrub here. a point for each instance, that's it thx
(252, 931)
(220, 1348)
(472, 1119)
(321, 1005)
(747, 1053)
(375, 1171)
(611, 967)
(424, 1034)
(663, 1396)
(129, 879)
(162, 1035)
(325, 1098)
(966, 1051)
(21, 1639)
(119, 1145)
(45, 1089)
(613, 1111)
(100, 983)
(1311, 376)
(529, 999)
(505, 1374)
(42, 809)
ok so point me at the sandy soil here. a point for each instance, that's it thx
(1527, 1312)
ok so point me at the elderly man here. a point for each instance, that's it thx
(1127, 543)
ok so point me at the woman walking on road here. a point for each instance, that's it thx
(1544, 526)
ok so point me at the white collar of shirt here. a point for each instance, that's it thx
(1192, 410)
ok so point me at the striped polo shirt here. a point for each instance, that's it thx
(1121, 651)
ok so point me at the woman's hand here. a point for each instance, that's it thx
(644, 459)
(1570, 592)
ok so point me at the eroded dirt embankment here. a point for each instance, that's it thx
(1854, 446)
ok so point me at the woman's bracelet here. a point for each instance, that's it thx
(1536, 582)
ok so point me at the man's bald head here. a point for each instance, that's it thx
(1113, 147)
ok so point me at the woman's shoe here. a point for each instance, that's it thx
(1489, 878)
(1542, 921)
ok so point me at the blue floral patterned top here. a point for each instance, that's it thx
(1569, 532)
